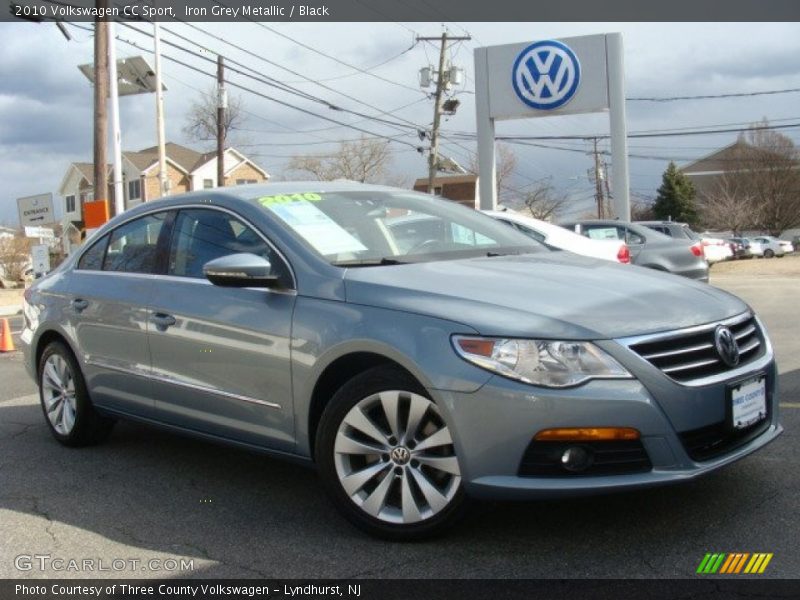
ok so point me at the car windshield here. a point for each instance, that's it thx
(364, 228)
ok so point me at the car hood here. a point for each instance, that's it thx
(553, 295)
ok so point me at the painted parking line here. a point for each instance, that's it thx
(789, 405)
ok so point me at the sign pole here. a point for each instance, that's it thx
(487, 170)
(119, 198)
(620, 183)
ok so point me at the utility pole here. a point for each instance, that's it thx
(442, 80)
(598, 182)
(608, 206)
(163, 181)
(222, 102)
(100, 107)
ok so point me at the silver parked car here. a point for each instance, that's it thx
(649, 248)
(287, 318)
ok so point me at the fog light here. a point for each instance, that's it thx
(576, 458)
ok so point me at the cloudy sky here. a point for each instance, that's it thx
(46, 103)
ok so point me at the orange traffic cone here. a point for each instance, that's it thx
(6, 343)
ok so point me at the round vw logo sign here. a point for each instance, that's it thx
(546, 75)
(726, 345)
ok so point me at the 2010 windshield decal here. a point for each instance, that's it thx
(287, 198)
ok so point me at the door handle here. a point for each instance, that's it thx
(79, 304)
(163, 321)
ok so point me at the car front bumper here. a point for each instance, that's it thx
(493, 427)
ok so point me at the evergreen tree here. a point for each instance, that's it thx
(676, 197)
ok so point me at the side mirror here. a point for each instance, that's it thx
(240, 270)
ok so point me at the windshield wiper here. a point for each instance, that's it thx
(369, 262)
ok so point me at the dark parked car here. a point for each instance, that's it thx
(648, 247)
(740, 247)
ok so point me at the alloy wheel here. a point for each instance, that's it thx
(395, 459)
(58, 393)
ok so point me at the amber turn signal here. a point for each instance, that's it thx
(587, 434)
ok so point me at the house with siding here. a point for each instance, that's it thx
(187, 170)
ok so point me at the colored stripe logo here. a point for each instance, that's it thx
(734, 563)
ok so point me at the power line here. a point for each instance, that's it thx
(372, 68)
(714, 96)
(271, 81)
(272, 98)
(288, 70)
(321, 53)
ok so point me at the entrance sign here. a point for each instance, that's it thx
(35, 210)
(551, 78)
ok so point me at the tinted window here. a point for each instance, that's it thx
(632, 237)
(132, 247)
(202, 235)
(92, 259)
(531, 233)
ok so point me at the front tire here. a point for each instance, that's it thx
(768, 253)
(65, 400)
(387, 459)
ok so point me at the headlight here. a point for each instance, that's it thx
(540, 362)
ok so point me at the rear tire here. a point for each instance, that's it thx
(387, 459)
(65, 401)
(768, 253)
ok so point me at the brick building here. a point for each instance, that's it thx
(459, 188)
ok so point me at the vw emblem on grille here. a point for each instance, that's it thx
(546, 75)
(400, 455)
(726, 345)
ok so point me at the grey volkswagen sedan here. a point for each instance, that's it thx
(413, 374)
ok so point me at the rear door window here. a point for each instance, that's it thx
(132, 246)
(92, 259)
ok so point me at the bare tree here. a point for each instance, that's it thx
(730, 204)
(543, 201)
(765, 171)
(201, 121)
(506, 165)
(641, 210)
(14, 257)
(365, 160)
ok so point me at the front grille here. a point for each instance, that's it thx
(543, 459)
(717, 439)
(688, 356)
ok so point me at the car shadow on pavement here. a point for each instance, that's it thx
(239, 514)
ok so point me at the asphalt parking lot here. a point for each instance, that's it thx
(150, 495)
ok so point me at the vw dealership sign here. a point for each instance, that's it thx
(546, 78)
(546, 75)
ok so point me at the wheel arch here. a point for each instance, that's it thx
(339, 371)
(46, 338)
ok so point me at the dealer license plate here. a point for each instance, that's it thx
(749, 402)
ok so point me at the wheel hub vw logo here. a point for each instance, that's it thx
(546, 75)
(726, 345)
(400, 455)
